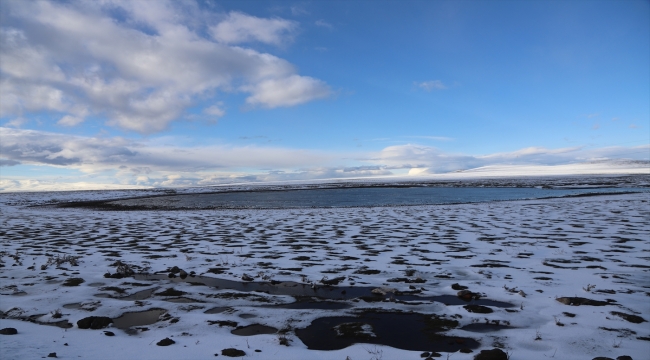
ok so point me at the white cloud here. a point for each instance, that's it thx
(17, 122)
(325, 24)
(69, 120)
(240, 28)
(431, 85)
(215, 111)
(289, 91)
(140, 72)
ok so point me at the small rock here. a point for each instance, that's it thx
(8, 331)
(232, 352)
(94, 322)
(258, 350)
(494, 354)
(466, 295)
(458, 287)
(383, 290)
(51, 355)
(602, 358)
(624, 357)
(175, 270)
(182, 274)
(246, 277)
(165, 342)
(109, 333)
(425, 354)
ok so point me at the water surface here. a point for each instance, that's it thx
(352, 197)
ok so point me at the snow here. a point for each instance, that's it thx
(568, 244)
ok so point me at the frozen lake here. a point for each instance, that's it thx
(354, 197)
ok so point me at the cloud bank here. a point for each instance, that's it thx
(148, 163)
(140, 64)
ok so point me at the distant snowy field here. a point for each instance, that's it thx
(528, 254)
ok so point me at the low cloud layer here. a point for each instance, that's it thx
(140, 64)
(148, 163)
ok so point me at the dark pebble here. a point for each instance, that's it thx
(94, 322)
(8, 331)
(494, 354)
(51, 355)
(232, 352)
(458, 287)
(165, 342)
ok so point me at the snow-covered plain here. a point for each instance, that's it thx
(525, 253)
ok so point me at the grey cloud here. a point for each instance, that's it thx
(97, 154)
(4, 162)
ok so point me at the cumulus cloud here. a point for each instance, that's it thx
(69, 120)
(431, 85)
(215, 111)
(140, 70)
(241, 28)
(289, 91)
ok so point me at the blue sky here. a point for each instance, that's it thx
(157, 93)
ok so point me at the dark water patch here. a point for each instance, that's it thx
(274, 288)
(310, 303)
(406, 331)
(222, 323)
(72, 306)
(485, 328)
(255, 329)
(300, 290)
(73, 282)
(140, 318)
(184, 300)
(217, 310)
(171, 292)
(247, 316)
(63, 324)
(140, 295)
(455, 300)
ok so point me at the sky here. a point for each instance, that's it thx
(189, 93)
